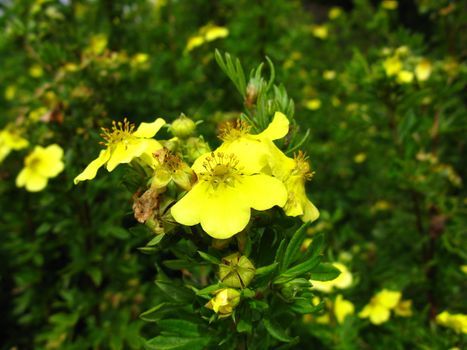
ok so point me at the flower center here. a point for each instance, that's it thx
(302, 167)
(221, 169)
(233, 130)
(120, 132)
(33, 163)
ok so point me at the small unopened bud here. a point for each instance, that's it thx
(224, 302)
(196, 147)
(236, 271)
(251, 95)
(183, 127)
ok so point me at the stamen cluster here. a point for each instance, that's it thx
(233, 130)
(221, 168)
(119, 132)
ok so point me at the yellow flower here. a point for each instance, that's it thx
(392, 66)
(123, 145)
(298, 203)
(457, 322)
(342, 308)
(97, 44)
(404, 308)
(313, 104)
(359, 158)
(36, 71)
(228, 186)
(379, 308)
(320, 31)
(334, 12)
(389, 4)
(423, 70)
(10, 140)
(404, 77)
(464, 269)
(212, 33)
(40, 165)
(329, 74)
(343, 281)
(10, 92)
(224, 302)
(194, 42)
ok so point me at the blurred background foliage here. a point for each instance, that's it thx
(380, 85)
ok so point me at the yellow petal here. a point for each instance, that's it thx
(388, 298)
(342, 308)
(263, 191)
(51, 161)
(310, 212)
(252, 152)
(277, 129)
(91, 170)
(379, 314)
(148, 130)
(125, 152)
(31, 180)
(187, 210)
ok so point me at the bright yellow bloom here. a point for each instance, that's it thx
(389, 4)
(359, 158)
(343, 281)
(36, 71)
(379, 308)
(329, 74)
(423, 70)
(123, 145)
(392, 66)
(342, 308)
(10, 140)
(212, 33)
(405, 77)
(10, 92)
(457, 322)
(206, 34)
(194, 42)
(97, 44)
(228, 186)
(464, 269)
(40, 165)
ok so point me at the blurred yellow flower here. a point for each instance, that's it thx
(139, 60)
(313, 104)
(334, 12)
(405, 77)
(206, 34)
(97, 44)
(392, 66)
(404, 308)
(343, 281)
(389, 4)
(464, 269)
(329, 75)
(10, 92)
(123, 145)
(342, 308)
(40, 165)
(359, 158)
(36, 114)
(320, 31)
(457, 322)
(10, 140)
(36, 71)
(379, 308)
(423, 70)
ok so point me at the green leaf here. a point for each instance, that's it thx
(297, 270)
(276, 331)
(324, 272)
(244, 326)
(162, 342)
(210, 258)
(209, 290)
(316, 246)
(182, 328)
(175, 292)
(156, 240)
(264, 270)
(302, 306)
(293, 248)
(159, 311)
(178, 264)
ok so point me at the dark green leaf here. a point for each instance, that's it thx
(324, 272)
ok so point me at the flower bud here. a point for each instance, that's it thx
(224, 302)
(183, 127)
(196, 147)
(236, 271)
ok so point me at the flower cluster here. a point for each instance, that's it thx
(380, 306)
(247, 171)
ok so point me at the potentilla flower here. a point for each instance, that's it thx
(123, 145)
(342, 309)
(228, 186)
(170, 167)
(224, 302)
(457, 322)
(10, 140)
(343, 281)
(40, 165)
(379, 308)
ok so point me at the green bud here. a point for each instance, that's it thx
(183, 127)
(196, 147)
(236, 271)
